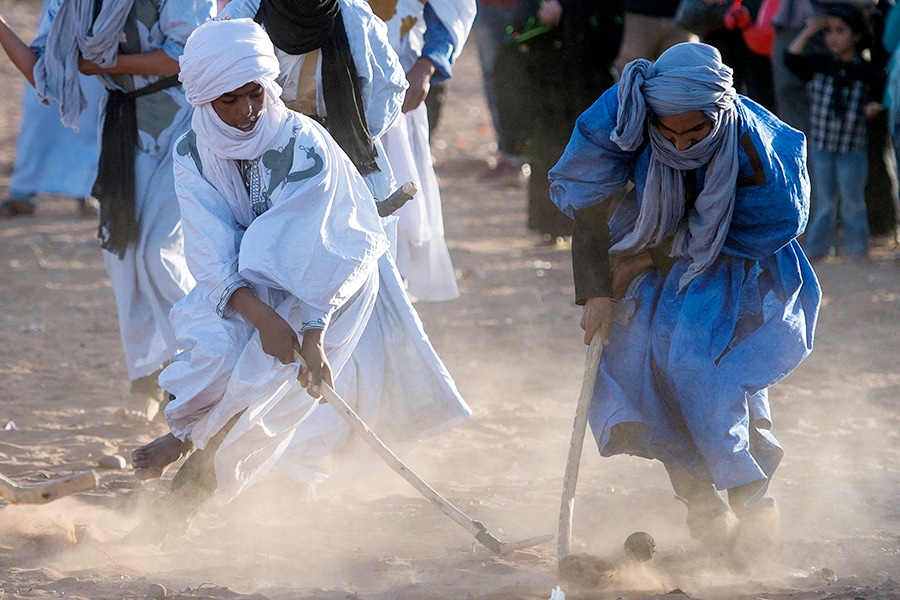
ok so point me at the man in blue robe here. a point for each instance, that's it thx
(687, 200)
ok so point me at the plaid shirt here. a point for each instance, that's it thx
(838, 94)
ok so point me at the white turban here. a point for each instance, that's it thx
(220, 57)
(687, 77)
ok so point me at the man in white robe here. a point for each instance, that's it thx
(283, 237)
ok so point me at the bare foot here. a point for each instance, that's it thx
(151, 460)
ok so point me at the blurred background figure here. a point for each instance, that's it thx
(490, 32)
(428, 37)
(881, 187)
(891, 43)
(650, 29)
(557, 60)
(752, 64)
(51, 158)
(792, 105)
(845, 91)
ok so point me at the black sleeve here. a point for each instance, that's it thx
(801, 65)
(590, 253)
(877, 82)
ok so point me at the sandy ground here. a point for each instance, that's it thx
(513, 344)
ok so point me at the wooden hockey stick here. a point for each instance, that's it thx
(570, 479)
(41, 493)
(476, 528)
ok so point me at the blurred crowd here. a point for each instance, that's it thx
(532, 45)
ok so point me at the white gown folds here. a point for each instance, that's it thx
(307, 238)
(422, 254)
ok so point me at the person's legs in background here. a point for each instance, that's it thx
(854, 223)
(434, 102)
(489, 33)
(823, 222)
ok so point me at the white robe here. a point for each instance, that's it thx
(319, 251)
(422, 254)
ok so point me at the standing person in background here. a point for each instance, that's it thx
(845, 91)
(881, 185)
(792, 104)
(650, 29)
(752, 71)
(133, 48)
(51, 158)
(791, 98)
(564, 53)
(696, 284)
(490, 32)
(427, 51)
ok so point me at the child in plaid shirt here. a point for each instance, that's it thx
(844, 91)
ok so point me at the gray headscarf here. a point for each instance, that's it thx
(687, 77)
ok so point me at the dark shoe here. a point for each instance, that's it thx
(16, 208)
(758, 538)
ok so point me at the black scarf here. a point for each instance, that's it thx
(300, 26)
(114, 185)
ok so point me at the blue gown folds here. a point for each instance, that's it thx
(685, 376)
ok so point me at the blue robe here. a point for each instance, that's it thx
(685, 376)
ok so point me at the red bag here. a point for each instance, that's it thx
(760, 35)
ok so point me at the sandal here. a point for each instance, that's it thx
(15, 208)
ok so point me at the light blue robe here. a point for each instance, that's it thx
(685, 376)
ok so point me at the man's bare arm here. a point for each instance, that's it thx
(21, 55)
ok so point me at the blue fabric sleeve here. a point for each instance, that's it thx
(438, 46)
(772, 210)
(592, 169)
(891, 36)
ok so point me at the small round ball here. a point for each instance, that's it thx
(640, 546)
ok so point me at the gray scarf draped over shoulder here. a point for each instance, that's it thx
(687, 77)
(78, 29)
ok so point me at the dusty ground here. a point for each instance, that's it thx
(513, 344)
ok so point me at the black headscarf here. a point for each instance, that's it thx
(300, 26)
